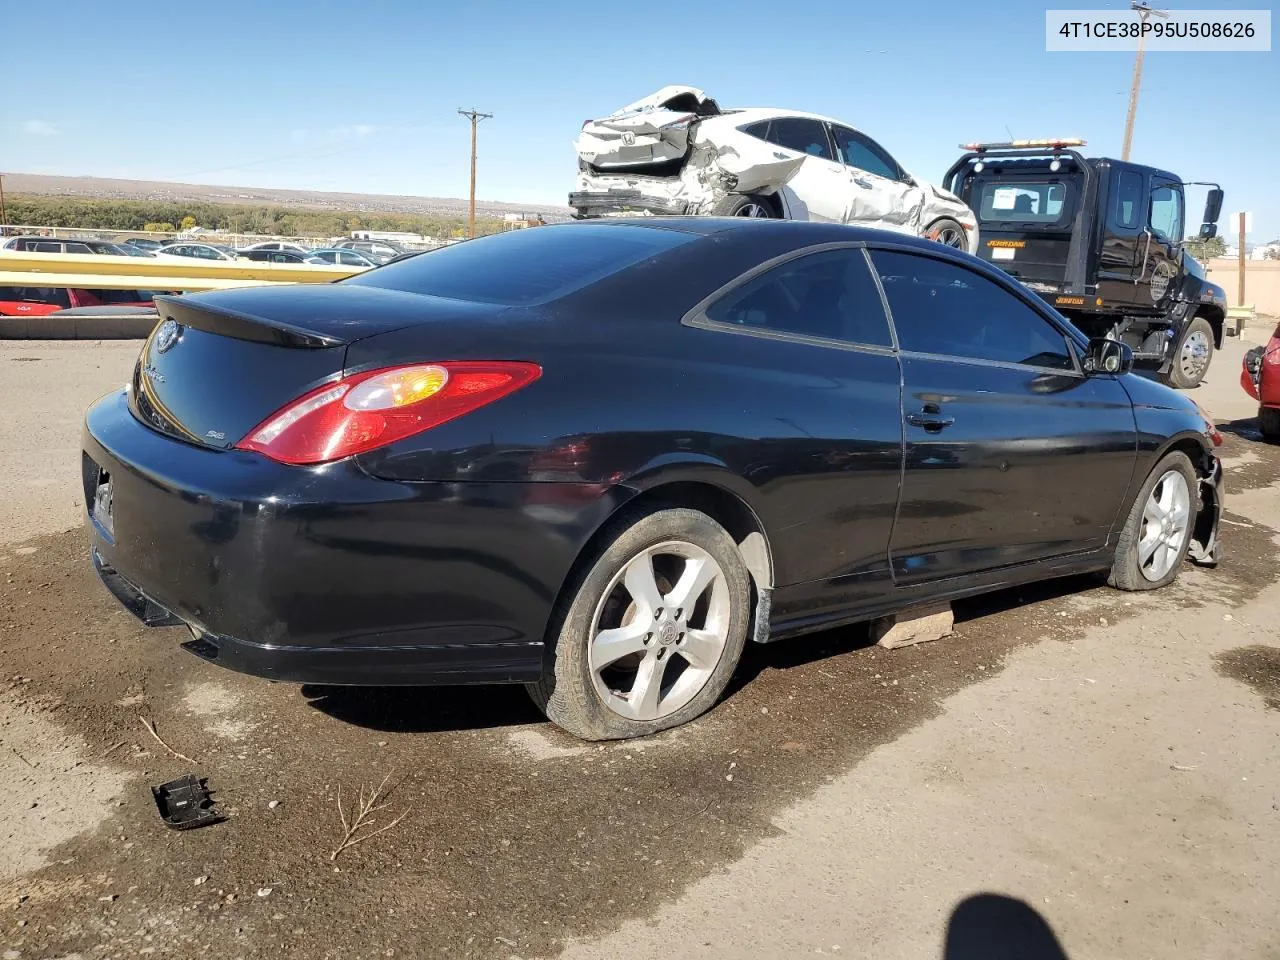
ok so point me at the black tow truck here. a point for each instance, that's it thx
(1101, 241)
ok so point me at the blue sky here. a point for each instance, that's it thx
(361, 95)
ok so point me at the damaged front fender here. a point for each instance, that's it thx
(1203, 550)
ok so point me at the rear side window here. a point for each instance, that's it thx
(944, 309)
(829, 295)
(525, 266)
(795, 133)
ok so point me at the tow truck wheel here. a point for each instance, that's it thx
(1269, 424)
(949, 234)
(1191, 359)
(745, 205)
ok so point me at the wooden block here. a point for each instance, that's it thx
(917, 625)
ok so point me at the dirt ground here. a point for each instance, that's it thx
(1080, 770)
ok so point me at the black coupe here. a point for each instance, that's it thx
(597, 458)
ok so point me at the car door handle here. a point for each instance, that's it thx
(930, 421)
(866, 185)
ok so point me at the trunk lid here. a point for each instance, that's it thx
(218, 364)
(652, 130)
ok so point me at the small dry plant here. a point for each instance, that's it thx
(360, 817)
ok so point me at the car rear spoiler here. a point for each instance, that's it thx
(953, 179)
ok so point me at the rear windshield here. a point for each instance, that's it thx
(527, 266)
(1025, 201)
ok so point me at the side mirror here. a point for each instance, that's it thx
(1212, 211)
(1107, 356)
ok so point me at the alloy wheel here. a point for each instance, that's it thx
(1166, 520)
(659, 631)
(1194, 356)
(753, 209)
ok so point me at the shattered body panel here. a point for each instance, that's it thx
(678, 152)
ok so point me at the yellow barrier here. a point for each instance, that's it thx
(19, 268)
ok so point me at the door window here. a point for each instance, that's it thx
(47, 246)
(55, 295)
(829, 295)
(1165, 218)
(801, 135)
(855, 150)
(1128, 206)
(941, 308)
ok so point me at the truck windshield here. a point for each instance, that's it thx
(1025, 201)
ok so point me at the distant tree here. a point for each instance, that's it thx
(188, 222)
(1205, 250)
(157, 227)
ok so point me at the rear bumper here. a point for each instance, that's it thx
(594, 203)
(328, 575)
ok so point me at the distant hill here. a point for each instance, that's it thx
(110, 189)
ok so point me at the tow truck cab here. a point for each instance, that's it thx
(1101, 241)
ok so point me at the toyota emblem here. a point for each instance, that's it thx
(169, 333)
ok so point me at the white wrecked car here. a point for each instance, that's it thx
(679, 152)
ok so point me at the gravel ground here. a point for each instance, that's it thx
(1104, 761)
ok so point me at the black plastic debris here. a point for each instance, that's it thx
(186, 803)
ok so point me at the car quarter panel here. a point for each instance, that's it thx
(330, 559)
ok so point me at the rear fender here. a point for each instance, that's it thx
(746, 165)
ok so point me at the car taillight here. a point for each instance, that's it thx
(368, 410)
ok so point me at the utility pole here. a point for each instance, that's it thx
(475, 117)
(1244, 222)
(1145, 12)
(4, 221)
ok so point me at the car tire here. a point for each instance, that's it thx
(1269, 424)
(1149, 552)
(949, 233)
(611, 611)
(1192, 356)
(746, 205)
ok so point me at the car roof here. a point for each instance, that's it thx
(752, 114)
(802, 232)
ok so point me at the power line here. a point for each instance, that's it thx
(475, 117)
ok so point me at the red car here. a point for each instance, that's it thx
(1261, 380)
(42, 301)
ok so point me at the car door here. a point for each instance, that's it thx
(1124, 230)
(813, 373)
(880, 196)
(821, 188)
(1012, 454)
(1158, 259)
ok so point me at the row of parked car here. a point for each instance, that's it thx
(347, 253)
(42, 301)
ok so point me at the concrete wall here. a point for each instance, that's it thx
(1261, 283)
